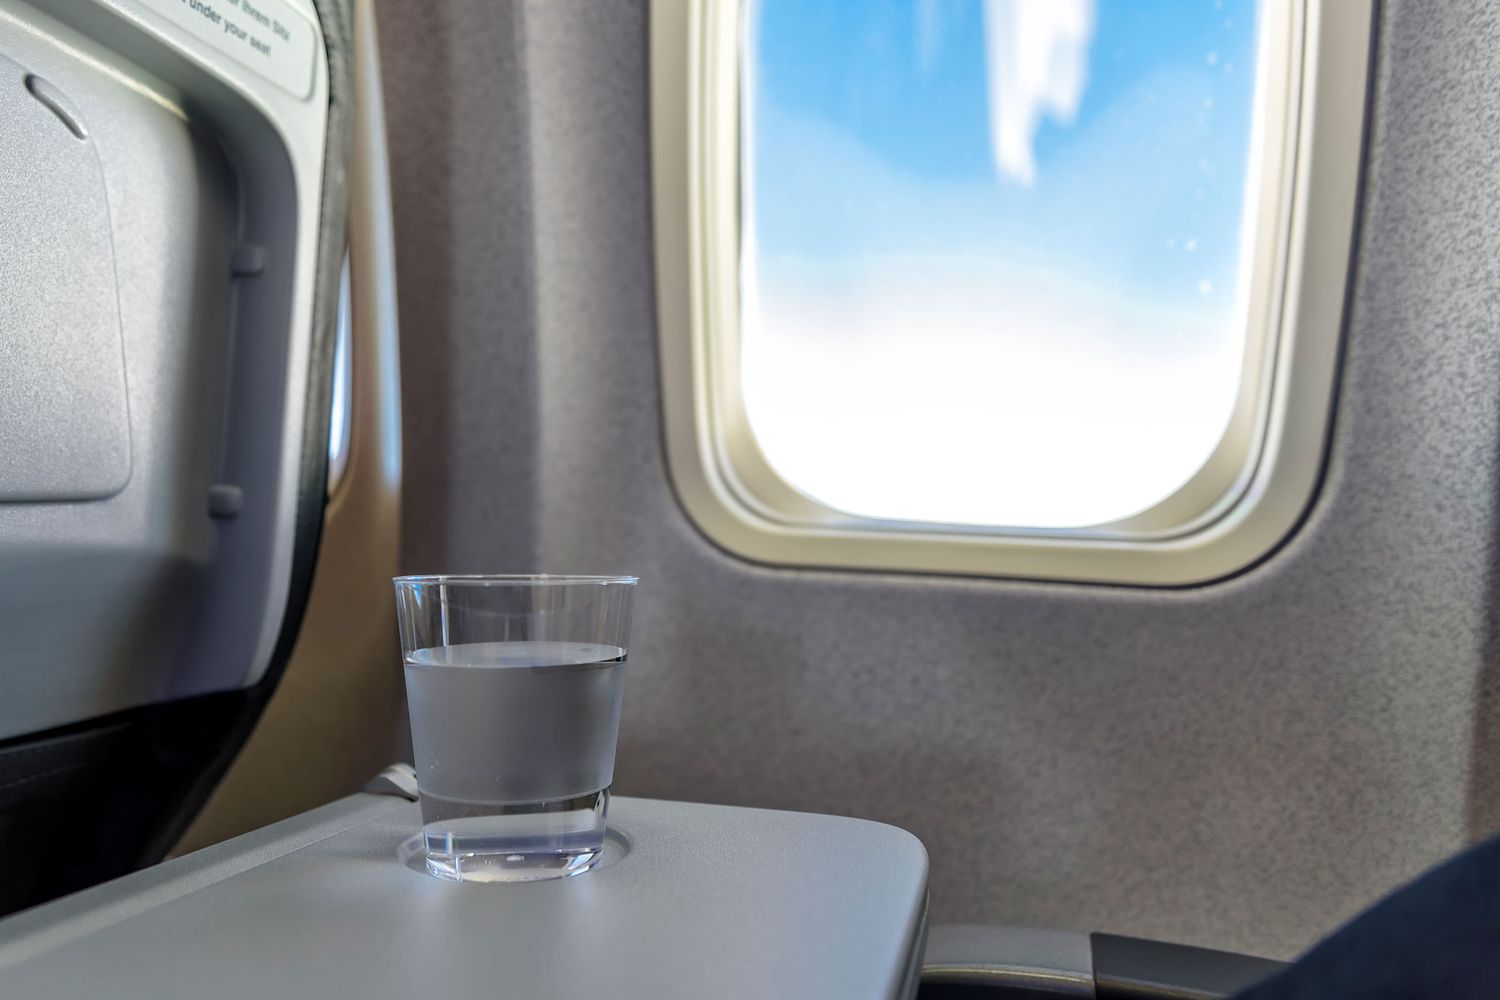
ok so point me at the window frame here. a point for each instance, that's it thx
(1253, 489)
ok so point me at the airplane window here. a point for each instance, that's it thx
(1039, 289)
(341, 417)
(997, 255)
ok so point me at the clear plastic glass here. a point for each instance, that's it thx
(514, 686)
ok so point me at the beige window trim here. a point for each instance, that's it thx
(1254, 487)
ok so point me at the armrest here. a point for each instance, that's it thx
(1022, 963)
(972, 960)
(1127, 968)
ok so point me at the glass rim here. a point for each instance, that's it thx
(511, 580)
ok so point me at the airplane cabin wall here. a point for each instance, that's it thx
(1239, 765)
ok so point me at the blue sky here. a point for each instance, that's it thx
(871, 136)
(990, 250)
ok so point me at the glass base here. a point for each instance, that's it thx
(513, 842)
(509, 867)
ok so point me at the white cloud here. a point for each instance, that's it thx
(981, 393)
(929, 34)
(1037, 56)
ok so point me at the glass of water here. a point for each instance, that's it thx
(513, 685)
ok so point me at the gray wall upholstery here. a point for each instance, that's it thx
(1240, 765)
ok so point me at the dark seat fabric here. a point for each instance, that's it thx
(1437, 938)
